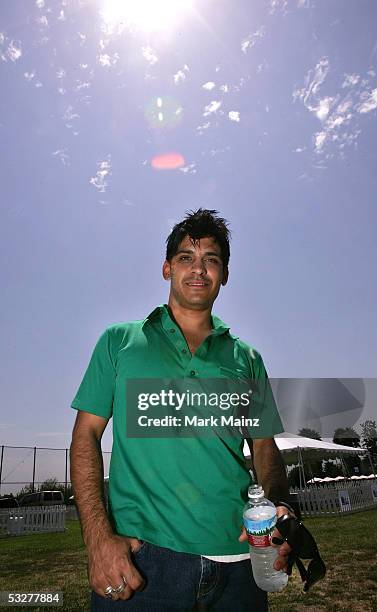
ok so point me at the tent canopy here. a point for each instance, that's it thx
(289, 444)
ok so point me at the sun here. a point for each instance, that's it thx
(147, 15)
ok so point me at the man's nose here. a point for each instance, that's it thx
(198, 266)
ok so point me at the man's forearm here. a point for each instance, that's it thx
(270, 469)
(87, 481)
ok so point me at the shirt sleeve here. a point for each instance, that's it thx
(263, 406)
(96, 391)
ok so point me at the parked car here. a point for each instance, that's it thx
(8, 502)
(42, 498)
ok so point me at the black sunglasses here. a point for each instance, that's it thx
(303, 546)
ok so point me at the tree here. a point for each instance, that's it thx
(294, 477)
(331, 469)
(51, 484)
(349, 437)
(309, 433)
(369, 439)
(316, 465)
(346, 436)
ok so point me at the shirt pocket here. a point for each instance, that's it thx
(235, 374)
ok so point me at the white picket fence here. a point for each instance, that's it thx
(32, 519)
(337, 497)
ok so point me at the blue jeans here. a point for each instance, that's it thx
(180, 582)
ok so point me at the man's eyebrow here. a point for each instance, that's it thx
(191, 251)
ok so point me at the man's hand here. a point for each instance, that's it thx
(110, 564)
(283, 549)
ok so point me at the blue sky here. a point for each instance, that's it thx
(271, 105)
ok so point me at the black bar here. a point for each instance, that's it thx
(66, 471)
(34, 458)
(1, 465)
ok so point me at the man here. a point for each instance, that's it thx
(172, 542)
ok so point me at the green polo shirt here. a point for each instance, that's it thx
(182, 493)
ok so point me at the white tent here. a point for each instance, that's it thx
(287, 441)
(293, 447)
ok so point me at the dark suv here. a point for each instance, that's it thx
(8, 502)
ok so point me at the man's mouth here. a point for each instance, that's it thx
(196, 283)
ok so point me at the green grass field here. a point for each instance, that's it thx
(348, 545)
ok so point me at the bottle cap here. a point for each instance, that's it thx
(255, 492)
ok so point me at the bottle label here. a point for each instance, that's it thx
(259, 532)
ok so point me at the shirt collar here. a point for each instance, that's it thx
(218, 326)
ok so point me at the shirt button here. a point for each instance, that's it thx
(184, 351)
(192, 373)
(172, 331)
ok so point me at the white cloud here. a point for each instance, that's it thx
(234, 116)
(335, 122)
(369, 101)
(212, 107)
(29, 76)
(149, 55)
(69, 115)
(62, 16)
(350, 80)
(82, 85)
(203, 127)
(40, 3)
(319, 140)
(209, 85)
(43, 21)
(242, 82)
(2, 38)
(337, 113)
(61, 73)
(224, 88)
(278, 5)
(215, 152)
(108, 60)
(252, 39)
(344, 107)
(63, 156)
(323, 108)
(181, 74)
(100, 180)
(14, 51)
(333, 116)
(299, 150)
(317, 76)
(303, 4)
(191, 169)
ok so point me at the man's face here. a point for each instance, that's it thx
(196, 273)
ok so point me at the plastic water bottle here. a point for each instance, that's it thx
(259, 517)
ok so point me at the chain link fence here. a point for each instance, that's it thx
(29, 467)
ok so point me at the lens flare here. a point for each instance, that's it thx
(147, 15)
(168, 161)
(164, 112)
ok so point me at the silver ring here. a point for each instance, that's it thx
(109, 590)
(120, 588)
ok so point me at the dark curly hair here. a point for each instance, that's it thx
(199, 224)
